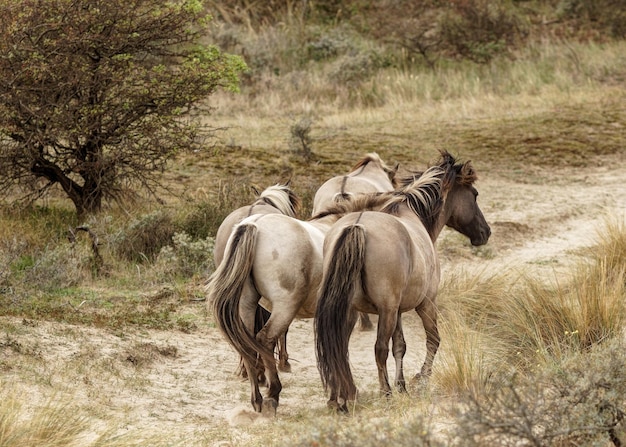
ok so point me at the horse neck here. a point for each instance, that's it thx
(444, 215)
(436, 229)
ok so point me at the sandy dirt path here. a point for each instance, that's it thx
(161, 382)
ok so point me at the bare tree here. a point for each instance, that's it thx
(97, 95)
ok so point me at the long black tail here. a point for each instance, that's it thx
(335, 318)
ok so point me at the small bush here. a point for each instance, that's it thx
(301, 141)
(186, 257)
(607, 16)
(356, 68)
(144, 237)
(479, 30)
(578, 401)
(63, 266)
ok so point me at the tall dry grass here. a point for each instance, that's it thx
(543, 72)
(512, 321)
(56, 423)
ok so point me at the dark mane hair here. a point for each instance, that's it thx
(460, 173)
(424, 197)
(361, 202)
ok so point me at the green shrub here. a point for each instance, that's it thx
(143, 239)
(578, 401)
(479, 30)
(186, 257)
(65, 265)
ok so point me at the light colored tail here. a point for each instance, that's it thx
(224, 289)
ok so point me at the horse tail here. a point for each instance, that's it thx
(224, 289)
(335, 318)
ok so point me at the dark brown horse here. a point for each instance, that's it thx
(385, 262)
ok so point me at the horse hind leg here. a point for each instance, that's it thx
(262, 316)
(386, 325)
(428, 314)
(275, 328)
(399, 350)
(365, 323)
(283, 355)
(248, 309)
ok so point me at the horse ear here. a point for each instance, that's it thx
(395, 168)
(467, 175)
(288, 182)
(256, 190)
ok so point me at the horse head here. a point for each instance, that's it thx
(461, 211)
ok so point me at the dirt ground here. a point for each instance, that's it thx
(161, 382)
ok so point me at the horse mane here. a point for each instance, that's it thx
(361, 202)
(424, 197)
(463, 173)
(424, 192)
(282, 198)
(372, 156)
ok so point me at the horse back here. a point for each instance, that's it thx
(400, 265)
(227, 225)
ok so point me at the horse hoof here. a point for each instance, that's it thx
(286, 367)
(336, 406)
(421, 378)
(269, 407)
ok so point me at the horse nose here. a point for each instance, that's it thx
(484, 235)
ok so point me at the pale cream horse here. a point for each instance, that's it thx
(276, 199)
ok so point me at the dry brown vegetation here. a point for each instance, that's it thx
(120, 351)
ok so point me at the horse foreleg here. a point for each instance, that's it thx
(399, 350)
(428, 313)
(386, 326)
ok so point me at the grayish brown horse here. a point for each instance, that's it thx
(385, 262)
(369, 175)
